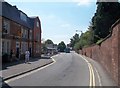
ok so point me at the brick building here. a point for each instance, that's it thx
(19, 32)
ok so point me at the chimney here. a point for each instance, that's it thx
(15, 7)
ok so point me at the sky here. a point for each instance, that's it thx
(59, 19)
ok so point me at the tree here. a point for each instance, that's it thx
(48, 41)
(74, 40)
(44, 48)
(106, 15)
(42, 40)
(86, 39)
(100, 27)
(44, 43)
(61, 46)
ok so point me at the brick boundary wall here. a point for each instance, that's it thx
(107, 53)
(119, 54)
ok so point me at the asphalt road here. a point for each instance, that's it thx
(68, 69)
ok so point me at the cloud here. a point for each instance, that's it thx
(83, 2)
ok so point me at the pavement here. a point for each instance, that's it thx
(16, 68)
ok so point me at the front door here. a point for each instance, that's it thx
(17, 52)
(17, 49)
(30, 50)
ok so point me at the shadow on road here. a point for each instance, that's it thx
(3, 84)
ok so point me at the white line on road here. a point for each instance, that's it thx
(100, 83)
(26, 74)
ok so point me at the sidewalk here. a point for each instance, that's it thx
(17, 68)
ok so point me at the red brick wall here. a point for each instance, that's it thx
(15, 28)
(108, 53)
(37, 30)
(119, 55)
(14, 31)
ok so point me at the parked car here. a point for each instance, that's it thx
(67, 50)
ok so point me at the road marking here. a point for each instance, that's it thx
(99, 79)
(92, 75)
(90, 84)
(26, 74)
(100, 83)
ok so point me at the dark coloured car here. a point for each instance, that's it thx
(67, 50)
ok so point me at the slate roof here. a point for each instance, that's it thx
(13, 13)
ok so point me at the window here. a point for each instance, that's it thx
(24, 47)
(6, 26)
(26, 35)
(37, 48)
(6, 46)
(30, 45)
(38, 37)
(23, 16)
(30, 35)
(37, 24)
(17, 44)
(24, 32)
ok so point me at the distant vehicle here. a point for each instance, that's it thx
(67, 50)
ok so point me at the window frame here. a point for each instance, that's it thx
(6, 46)
(37, 24)
(6, 23)
(23, 16)
(30, 34)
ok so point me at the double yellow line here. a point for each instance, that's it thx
(92, 75)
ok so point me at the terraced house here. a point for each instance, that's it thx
(19, 32)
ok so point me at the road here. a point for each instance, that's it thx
(68, 69)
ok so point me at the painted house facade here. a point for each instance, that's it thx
(51, 49)
(19, 32)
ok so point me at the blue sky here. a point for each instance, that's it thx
(59, 20)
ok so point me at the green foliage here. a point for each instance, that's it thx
(61, 46)
(85, 40)
(100, 27)
(77, 46)
(44, 43)
(48, 41)
(106, 15)
(74, 40)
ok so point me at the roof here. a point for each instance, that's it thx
(12, 13)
